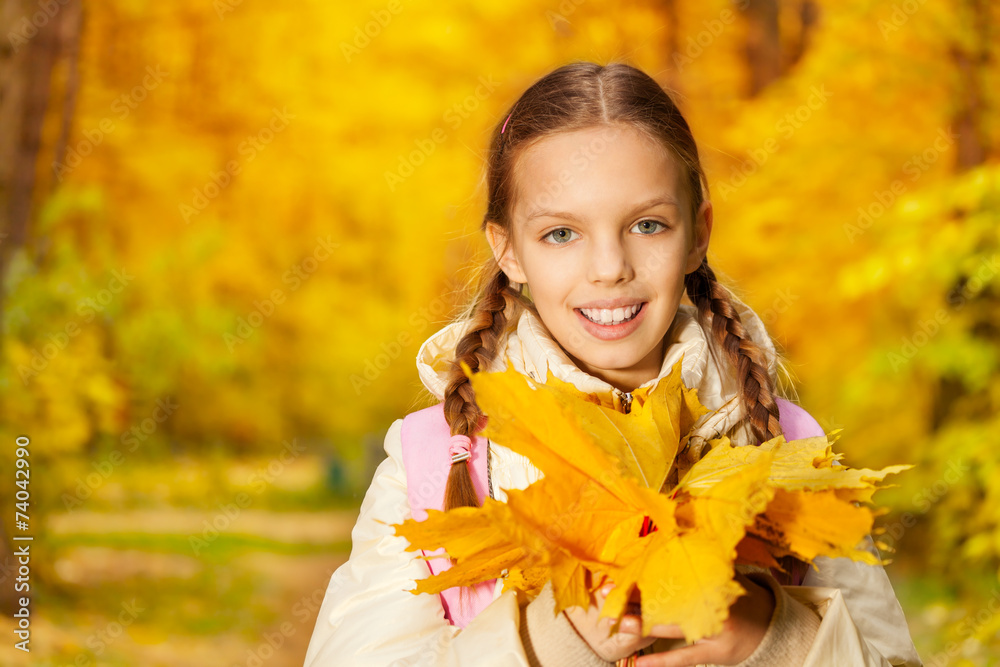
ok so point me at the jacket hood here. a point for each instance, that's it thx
(532, 351)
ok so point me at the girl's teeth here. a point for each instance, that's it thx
(606, 316)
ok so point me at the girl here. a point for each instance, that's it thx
(599, 223)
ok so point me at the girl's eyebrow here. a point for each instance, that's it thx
(659, 200)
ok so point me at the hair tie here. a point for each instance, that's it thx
(505, 122)
(459, 450)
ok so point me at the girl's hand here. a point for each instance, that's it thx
(741, 634)
(594, 630)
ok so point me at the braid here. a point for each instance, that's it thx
(756, 390)
(477, 348)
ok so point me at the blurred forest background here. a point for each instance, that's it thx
(227, 226)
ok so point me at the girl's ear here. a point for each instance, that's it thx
(702, 233)
(503, 251)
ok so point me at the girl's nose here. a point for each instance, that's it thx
(609, 262)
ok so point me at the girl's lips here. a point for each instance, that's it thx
(612, 331)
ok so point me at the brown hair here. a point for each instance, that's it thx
(576, 96)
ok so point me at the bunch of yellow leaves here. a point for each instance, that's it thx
(603, 472)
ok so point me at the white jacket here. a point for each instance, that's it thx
(369, 619)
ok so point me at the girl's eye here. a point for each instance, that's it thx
(649, 226)
(560, 236)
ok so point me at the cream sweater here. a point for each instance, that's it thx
(550, 640)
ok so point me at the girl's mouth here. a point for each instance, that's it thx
(611, 324)
(606, 317)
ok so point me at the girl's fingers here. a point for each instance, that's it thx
(633, 625)
(689, 656)
(668, 631)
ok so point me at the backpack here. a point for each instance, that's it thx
(425, 443)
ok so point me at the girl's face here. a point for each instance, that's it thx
(602, 237)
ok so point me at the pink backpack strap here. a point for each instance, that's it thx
(796, 422)
(426, 440)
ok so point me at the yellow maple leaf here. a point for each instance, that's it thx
(530, 580)
(813, 511)
(644, 441)
(815, 523)
(686, 577)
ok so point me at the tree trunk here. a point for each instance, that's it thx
(809, 13)
(31, 44)
(970, 62)
(672, 46)
(763, 45)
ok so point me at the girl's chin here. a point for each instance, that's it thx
(595, 363)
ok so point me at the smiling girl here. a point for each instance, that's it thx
(599, 221)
